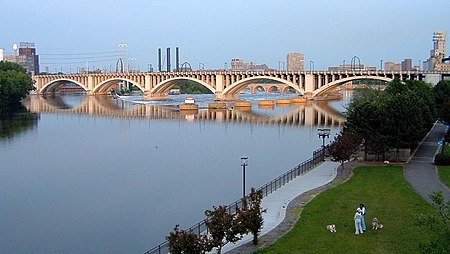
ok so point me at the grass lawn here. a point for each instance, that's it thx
(386, 195)
(444, 174)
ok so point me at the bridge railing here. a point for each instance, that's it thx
(266, 189)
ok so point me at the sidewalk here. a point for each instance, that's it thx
(277, 202)
(420, 170)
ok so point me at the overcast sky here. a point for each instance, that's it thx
(213, 32)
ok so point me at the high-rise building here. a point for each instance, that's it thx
(295, 62)
(27, 58)
(2, 54)
(239, 65)
(437, 60)
(407, 65)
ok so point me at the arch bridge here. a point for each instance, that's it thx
(226, 85)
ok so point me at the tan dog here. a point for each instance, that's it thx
(331, 228)
(376, 224)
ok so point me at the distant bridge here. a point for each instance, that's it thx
(314, 114)
(226, 85)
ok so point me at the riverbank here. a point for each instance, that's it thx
(293, 210)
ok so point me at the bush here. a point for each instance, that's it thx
(442, 159)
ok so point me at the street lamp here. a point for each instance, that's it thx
(311, 66)
(244, 163)
(323, 133)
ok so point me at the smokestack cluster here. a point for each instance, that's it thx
(177, 59)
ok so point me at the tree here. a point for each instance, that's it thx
(344, 146)
(186, 242)
(250, 217)
(222, 227)
(438, 223)
(442, 96)
(15, 84)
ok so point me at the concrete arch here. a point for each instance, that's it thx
(259, 89)
(52, 85)
(274, 89)
(103, 86)
(339, 82)
(237, 86)
(167, 84)
(288, 89)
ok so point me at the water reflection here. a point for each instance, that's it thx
(308, 114)
(18, 120)
(110, 176)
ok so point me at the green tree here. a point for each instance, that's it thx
(222, 227)
(438, 223)
(186, 242)
(250, 217)
(442, 96)
(344, 146)
(398, 117)
(15, 84)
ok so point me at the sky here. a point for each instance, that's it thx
(212, 32)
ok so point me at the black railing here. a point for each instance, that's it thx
(266, 189)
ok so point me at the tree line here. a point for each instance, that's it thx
(398, 117)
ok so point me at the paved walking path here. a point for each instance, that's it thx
(420, 170)
(277, 202)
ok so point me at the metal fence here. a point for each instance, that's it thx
(266, 189)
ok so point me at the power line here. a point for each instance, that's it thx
(71, 54)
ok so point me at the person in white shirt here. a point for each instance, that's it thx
(357, 218)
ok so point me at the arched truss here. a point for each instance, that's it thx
(324, 89)
(288, 89)
(166, 85)
(51, 86)
(257, 89)
(237, 86)
(273, 89)
(103, 86)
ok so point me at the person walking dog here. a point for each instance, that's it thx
(363, 217)
(357, 218)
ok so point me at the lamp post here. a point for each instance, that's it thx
(343, 65)
(244, 163)
(311, 66)
(323, 133)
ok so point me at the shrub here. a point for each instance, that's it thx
(442, 159)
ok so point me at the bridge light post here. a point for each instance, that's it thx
(244, 163)
(311, 66)
(323, 133)
(343, 65)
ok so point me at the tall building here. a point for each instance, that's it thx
(295, 62)
(438, 60)
(239, 65)
(2, 54)
(407, 65)
(27, 58)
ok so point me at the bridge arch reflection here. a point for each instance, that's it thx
(311, 114)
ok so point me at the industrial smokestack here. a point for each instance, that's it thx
(159, 60)
(177, 61)
(168, 59)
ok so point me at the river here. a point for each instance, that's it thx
(98, 175)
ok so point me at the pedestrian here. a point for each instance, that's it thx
(363, 217)
(357, 218)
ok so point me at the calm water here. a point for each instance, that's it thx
(96, 175)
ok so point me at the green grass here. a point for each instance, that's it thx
(444, 174)
(386, 195)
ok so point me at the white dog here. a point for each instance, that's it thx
(331, 228)
(376, 224)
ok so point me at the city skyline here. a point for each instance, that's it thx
(213, 33)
